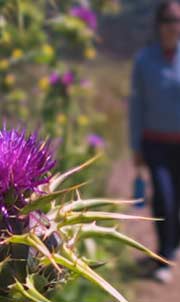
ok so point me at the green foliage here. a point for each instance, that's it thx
(35, 38)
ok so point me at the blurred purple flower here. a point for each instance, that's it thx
(95, 140)
(86, 83)
(86, 15)
(67, 78)
(54, 78)
(24, 163)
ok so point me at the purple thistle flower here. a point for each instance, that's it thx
(67, 78)
(86, 15)
(95, 141)
(54, 78)
(24, 163)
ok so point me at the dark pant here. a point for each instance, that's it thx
(163, 160)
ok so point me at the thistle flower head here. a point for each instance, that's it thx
(67, 78)
(95, 141)
(54, 78)
(86, 15)
(24, 163)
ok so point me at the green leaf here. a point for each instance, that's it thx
(80, 205)
(87, 217)
(3, 263)
(94, 264)
(31, 239)
(43, 203)
(29, 291)
(93, 230)
(78, 266)
(61, 178)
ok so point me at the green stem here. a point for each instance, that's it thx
(20, 16)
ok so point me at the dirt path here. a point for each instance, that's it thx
(147, 291)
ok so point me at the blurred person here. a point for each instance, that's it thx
(155, 127)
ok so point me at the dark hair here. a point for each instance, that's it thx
(162, 7)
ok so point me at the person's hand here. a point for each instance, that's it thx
(138, 159)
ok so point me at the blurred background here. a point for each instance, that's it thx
(66, 73)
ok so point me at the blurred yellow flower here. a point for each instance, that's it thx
(61, 119)
(83, 120)
(9, 79)
(48, 50)
(4, 64)
(6, 38)
(17, 53)
(90, 53)
(44, 83)
(17, 95)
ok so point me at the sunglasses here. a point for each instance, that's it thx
(169, 20)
